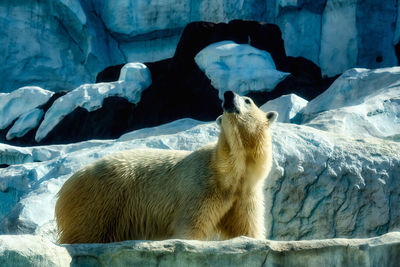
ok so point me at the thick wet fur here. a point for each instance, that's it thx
(159, 194)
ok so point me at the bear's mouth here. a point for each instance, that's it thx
(229, 104)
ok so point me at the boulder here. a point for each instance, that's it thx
(240, 68)
(287, 106)
(26, 122)
(134, 78)
(362, 102)
(25, 99)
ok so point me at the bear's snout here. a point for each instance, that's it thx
(229, 103)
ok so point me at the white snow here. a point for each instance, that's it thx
(26, 122)
(238, 67)
(18, 102)
(287, 106)
(91, 96)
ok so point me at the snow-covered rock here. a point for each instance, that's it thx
(287, 106)
(238, 67)
(135, 77)
(322, 184)
(362, 102)
(26, 122)
(18, 102)
(28, 250)
(136, 72)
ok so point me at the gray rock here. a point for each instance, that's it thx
(326, 185)
(287, 106)
(361, 102)
(30, 250)
(66, 43)
(56, 44)
(322, 185)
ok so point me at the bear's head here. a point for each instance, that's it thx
(243, 125)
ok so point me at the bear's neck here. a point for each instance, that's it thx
(240, 167)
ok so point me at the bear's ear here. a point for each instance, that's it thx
(272, 116)
(219, 120)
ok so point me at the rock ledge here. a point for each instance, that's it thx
(29, 250)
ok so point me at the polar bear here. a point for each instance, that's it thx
(159, 194)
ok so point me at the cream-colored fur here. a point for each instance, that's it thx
(158, 194)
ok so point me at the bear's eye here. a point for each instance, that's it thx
(247, 101)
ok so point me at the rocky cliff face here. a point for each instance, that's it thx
(66, 43)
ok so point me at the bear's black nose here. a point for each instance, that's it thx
(228, 96)
(229, 104)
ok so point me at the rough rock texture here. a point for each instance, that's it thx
(362, 102)
(134, 79)
(287, 106)
(180, 89)
(21, 101)
(240, 68)
(337, 34)
(322, 185)
(340, 182)
(327, 185)
(69, 42)
(64, 44)
(35, 251)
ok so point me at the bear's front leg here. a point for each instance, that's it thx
(200, 223)
(245, 217)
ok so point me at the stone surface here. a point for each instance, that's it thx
(80, 38)
(336, 56)
(134, 79)
(136, 72)
(322, 185)
(312, 29)
(34, 251)
(328, 185)
(18, 102)
(240, 68)
(361, 102)
(26, 122)
(61, 48)
(287, 106)
(341, 182)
